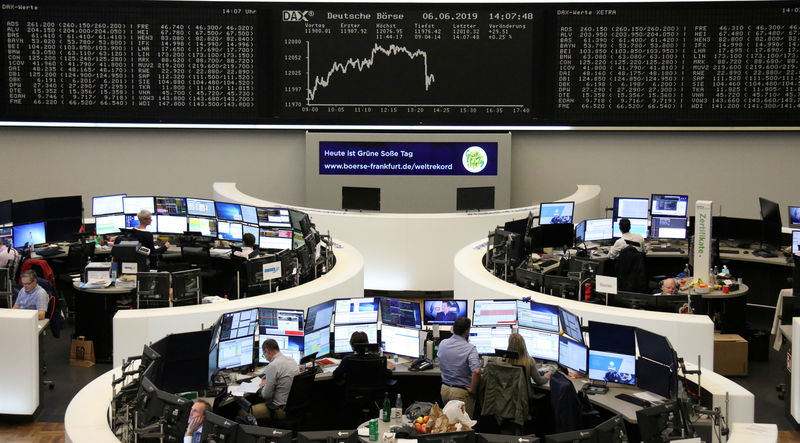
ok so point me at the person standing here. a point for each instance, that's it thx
(460, 366)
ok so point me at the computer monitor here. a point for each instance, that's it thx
(5, 212)
(570, 324)
(252, 230)
(654, 377)
(278, 239)
(63, 229)
(200, 207)
(107, 204)
(132, 221)
(741, 229)
(132, 205)
(218, 428)
(319, 316)
(552, 236)
(109, 224)
(667, 227)
(170, 206)
(171, 224)
(657, 423)
(444, 312)
(517, 226)
(795, 242)
(238, 324)
(229, 230)
(275, 217)
(207, 227)
(668, 205)
(581, 436)
(494, 312)
(212, 362)
(356, 310)
(69, 206)
(487, 339)
(599, 229)
(611, 431)
(236, 353)
(290, 345)
(559, 286)
(29, 211)
(794, 216)
(612, 367)
(631, 207)
(276, 321)
(342, 333)
(655, 347)
(572, 355)
(612, 337)
(7, 237)
(32, 234)
(529, 279)
(638, 226)
(541, 345)
(470, 199)
(249, 214)
(260, 434)
(556, 213)
(229, 211)
(634, 300)
(400, 341)
(537, 315)
(400, 313)
(317, 341)
(580, 233)
(361, 199)
(770, 211)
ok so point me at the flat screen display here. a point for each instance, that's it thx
(229, 231)
(110, 224)
(361, 199)
(653, 377)
(541, 345)
(132, 205)
(5, 212)
(342, 333)
(401, 313)
(171, 224)
(170, 206)
(638, 226)
(468, 199)
(273, 217)
(612, 367)
(556, 213)
(238, 324)
(274, 321)
(229, 211)
(494, 312)
(132, 221)
(627, 207)
(794, 216)
(317, 341)
(107, 204)
(570, 324)
(356, 310)
(252, 230)
(32, 234)
(444, 312)
(400, 341)
(611, 337)
(599, 229)
(207, 227)
(487, 339)
(319, 316)
(667, 227)
(200, 207)
(795, 242)
(537, 315)
(279, 239)
(235, 353)
(289, 345)
(572, 355)
(669, 205)
(249, 215)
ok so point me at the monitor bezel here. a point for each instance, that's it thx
(186, 200)
(615, 208)
(571, 218)
(589, 369)
(685, 229)
(425, 321)
(475, 316)
(586, 355)
(381, 342)
(376, 300)
(652, 213)
(155, 205)
(94, 214)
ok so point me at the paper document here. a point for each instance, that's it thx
(250, 387)
(97, 284)
(649, 396)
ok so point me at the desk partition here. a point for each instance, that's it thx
(19, 372)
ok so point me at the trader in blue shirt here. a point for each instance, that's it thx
(460, 366)
(31, 296)
(196, 417)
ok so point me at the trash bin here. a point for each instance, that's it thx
(758, 344)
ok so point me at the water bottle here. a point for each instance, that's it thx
(686, 272)
(387, 409)
(397, 411)
(113, 271)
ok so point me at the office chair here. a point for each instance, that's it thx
(504, 395)
(298, 405)
(366, 381)
(568, 410)
(186, 287)
(5, 286)
(631, 271)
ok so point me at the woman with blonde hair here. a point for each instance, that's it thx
(516, 343)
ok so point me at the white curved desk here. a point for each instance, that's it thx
(413, 252)
(86, 419)
(137, 327)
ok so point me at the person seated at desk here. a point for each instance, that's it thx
(145, 237)
(249, 248)
(669, 286)
(276, 383)
(31, 296)
(358, 337)
(460, 366)
(7, 255)
(516, 343)
(628, 239)
(196, 416)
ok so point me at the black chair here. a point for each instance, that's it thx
(298, 405)
(152, 289)
(5, 287)
(187, 287)
(631, 271)
(568, 410)
(366, 381)
(196, 254)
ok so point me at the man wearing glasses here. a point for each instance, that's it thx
(277, 382)
(31, 296)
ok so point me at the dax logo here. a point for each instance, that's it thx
(297, 16)
(474, 159)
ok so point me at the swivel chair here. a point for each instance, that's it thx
(568, 410)
(366, 381)
(298, 405)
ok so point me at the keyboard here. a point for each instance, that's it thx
(48, 252)
(728, 251)
(667, 250)
(635, 400)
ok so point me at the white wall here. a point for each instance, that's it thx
(730, 168)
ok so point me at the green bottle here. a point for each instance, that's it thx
(386, 413)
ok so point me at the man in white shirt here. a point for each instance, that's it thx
(196, 417)
(248, 246)
(6, 255)
(628, 239)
